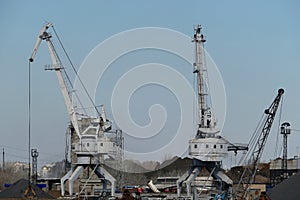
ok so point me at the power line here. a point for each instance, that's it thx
(17, 156)
(24, 157)
(25, 150)
(11, 147)
(295, 130)
(3, 161)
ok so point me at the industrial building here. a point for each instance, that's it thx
(277, 171)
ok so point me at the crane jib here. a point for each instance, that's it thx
(249, 172)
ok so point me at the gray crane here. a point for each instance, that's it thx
(260, 139)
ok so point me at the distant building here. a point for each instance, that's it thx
(53, 170)
(276, 170)
(45, 171)
(20, 166)
(49, 176)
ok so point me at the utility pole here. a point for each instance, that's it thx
(34, 155)
(3, 160)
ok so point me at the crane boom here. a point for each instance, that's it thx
(249, 172)
(44, 35)
(199, 40)
(39, 40)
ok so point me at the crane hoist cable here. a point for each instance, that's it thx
(207, 78)
(66, 77)
(195, 122)
(29, 122)
(89, 178)
(64, 71)
(251, 141)
(276, 152)
(76, 73)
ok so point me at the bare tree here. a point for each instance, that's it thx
(11, 174)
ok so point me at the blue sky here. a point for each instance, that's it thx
(255, 45)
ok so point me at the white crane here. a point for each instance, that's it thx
(208, 148)
(91, 144)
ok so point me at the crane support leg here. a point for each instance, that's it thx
(101, 171)
(190, 179)
(222, 176)
(63, 180)
(78, 170)
(180, 181)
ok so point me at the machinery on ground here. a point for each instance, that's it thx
(89, 138)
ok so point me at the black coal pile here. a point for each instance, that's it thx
(22, 190)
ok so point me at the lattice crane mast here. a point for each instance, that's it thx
(249, 172)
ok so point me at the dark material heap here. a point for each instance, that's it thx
(287, 190)
(22, 190)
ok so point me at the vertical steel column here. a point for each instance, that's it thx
(34, 155)
(285, 131)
